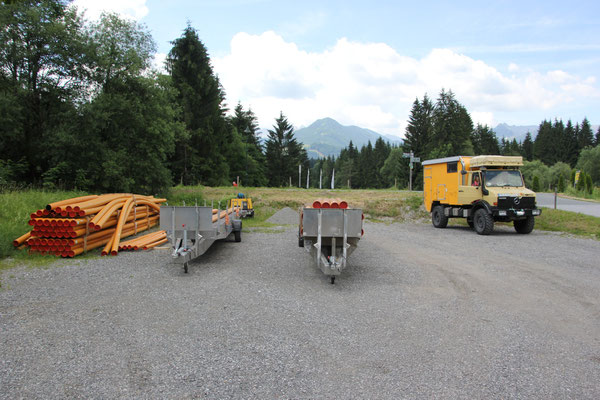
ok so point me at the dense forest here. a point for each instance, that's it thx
(81, 107)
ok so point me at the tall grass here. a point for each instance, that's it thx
(595, 195)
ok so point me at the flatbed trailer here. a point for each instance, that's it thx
(191, 230)
(330, 235)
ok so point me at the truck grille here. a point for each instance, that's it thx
(516, 202)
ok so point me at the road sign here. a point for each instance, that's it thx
(406, 155)
(415, 159)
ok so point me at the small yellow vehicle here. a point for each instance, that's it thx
(482, 189)
(244, 204)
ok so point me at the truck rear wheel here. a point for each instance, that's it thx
(483, 222)
(438, 218)
(524, 225)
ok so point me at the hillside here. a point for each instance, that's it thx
(326, 137)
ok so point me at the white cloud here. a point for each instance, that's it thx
(373, 86)
(135, 9)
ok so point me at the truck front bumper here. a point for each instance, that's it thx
(512, 214)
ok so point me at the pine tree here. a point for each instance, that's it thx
(283, 154)
(484, 140)
(452, 125)
(528, 147)
(199, 155)
(245, 122)
(597, 139)
(586, 136)
(569, 145)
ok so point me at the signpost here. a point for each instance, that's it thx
(413, 159)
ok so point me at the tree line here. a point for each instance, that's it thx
(81, 107)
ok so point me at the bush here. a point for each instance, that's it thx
(535, 186)
(537, 168)
(561, 184)
(589, 186)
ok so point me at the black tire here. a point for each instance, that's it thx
(524, 226)
(332, 279)
(300, 239)
(483, 222)
(237, 235)
(438, 218)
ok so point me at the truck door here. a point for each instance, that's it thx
(468, 189)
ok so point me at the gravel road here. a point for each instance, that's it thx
(419, 313)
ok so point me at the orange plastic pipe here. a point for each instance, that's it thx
(151, 245)
(69, 201)
(19, 241)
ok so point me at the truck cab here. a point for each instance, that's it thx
(482, 189)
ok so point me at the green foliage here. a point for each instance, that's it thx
(535, 186)
(395, 169)
(452, 125)
(589, 186)
(569, 222)
(484, 140)
(589, 161)
(561, 184)
(199, 155)
(559, 171)
(284, 154)
(531, 169)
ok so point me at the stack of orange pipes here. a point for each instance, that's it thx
(329, 203)
(91, 222)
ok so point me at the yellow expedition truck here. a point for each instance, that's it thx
(482, 189)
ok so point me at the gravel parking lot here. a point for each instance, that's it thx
(419, 313)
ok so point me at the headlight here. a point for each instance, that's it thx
(502, 213)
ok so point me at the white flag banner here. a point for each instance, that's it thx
(332, 178)
(299, 175)
(307, 178)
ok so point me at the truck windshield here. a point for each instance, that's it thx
(505, 177)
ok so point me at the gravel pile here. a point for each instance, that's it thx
(418, 313)
(285, 216)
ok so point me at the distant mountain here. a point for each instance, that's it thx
(326, 137)
(518, 132)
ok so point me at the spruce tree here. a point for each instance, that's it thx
(586, 136)
(198, 155)
(452, 125)
(528, 147)
(284, 154)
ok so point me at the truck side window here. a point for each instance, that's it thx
(451, 167)
(476, 180)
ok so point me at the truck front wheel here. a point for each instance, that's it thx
(438, 218)
(524, 225)
(483, 222)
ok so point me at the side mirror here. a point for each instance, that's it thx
(463, 172)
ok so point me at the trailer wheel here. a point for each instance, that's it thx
(332, 279)
(483, 222)
(237, 235)
(524, 226)
(300, 241)
(185, 268)
(438, 218)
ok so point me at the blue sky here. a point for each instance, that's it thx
(364, 63)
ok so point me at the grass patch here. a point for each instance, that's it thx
(569, 222)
